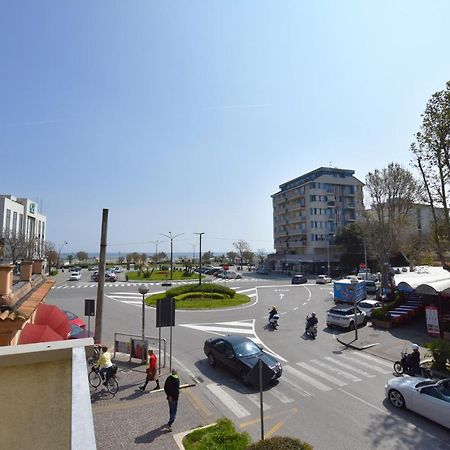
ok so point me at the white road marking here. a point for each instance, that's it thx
(306, 378)
(132, 302)
(295, 309)
(349, 367)
(265, 346)
(376, 360)
(382, 411)
(366, 364)
(322, 374)
(254, 398)
(280, 396)
(294, 386)
(225, 398)
(219, 329)
(304, 304)
(339, 372)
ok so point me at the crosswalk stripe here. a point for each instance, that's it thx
(349, 367)
(132, 302)
(254, 398)
(322, 374)
(306, 378)
(237, 409)
(294, 386)
(339, 372)
(220, 329)
(376, 360)
(366, 364)
(126, 296)
(238, 323)
(280, 396)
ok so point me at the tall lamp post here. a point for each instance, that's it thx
(200, 258)
(143, 289)
(171, 249)
(59, 252)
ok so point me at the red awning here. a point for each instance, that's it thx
(32, 333)
(54, 317)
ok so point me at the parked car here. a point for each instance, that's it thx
(262, 271)
(118, 269)
(372, 287)
(368, 306)
(109, 276)
(214, 271)
(239, 355)
(77, 332)
(74, 276)
(298, 279)
(229, 274)
(343, 316)
(430, 398)
(93, 268)
(323, 279)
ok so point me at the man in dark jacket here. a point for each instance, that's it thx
(414, 360)
(172, 390)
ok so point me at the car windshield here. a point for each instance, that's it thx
(425, 383)
(246, 348)
(341, 312)
(70, 315)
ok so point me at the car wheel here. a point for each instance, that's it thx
(396, 399)
(243, 377)
(351, 326)
(211, 359)
(364, 321)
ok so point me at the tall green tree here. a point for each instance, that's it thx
(432, 157)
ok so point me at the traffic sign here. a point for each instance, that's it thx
(226, 267)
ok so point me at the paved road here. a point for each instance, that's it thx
(328, 395)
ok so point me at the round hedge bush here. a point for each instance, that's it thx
(280, 443)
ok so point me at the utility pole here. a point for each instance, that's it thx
(171, 249)
(101, 278)
(200, 258)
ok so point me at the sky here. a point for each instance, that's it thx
(186, 116)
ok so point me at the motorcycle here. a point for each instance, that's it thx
(311, 330)
(402, 366)
(273, 321)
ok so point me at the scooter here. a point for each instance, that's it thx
(311, 330)
(273, 321)
(402, 366)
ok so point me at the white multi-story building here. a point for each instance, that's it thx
(307, 213)
(19, 217)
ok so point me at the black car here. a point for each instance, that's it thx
(299, 279)
(239, 355)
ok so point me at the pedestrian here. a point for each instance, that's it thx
(104, 363)
(151, 371)
(172, 390)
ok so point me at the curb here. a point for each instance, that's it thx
(179, 436)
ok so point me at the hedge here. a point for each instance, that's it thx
(280, 443)
(204, 287)
(383, 313)
(189, 295)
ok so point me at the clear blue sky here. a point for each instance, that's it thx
(185, 116)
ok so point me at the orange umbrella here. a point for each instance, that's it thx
(54, 317)
(32, 333)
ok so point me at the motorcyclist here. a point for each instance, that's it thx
(311, 321)
(272, 312)
(414, 360)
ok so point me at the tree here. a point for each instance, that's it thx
(350, 240)
(82, 256)
(432, 157)
(51, 254)
(70, 258)
(232, 256)
(242, 247)
(261, 254)
(206, 257)
(15, 245)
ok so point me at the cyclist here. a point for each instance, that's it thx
(104, 363)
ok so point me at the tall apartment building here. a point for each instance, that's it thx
(20, 217)
(307, 213)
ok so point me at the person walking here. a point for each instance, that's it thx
(151, 371)
(172, 390)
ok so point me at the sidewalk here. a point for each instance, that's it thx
(135, 419)
(388, 344)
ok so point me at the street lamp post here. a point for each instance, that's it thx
(143, 290)
(59, 252)
(200, 258)
(171, 250)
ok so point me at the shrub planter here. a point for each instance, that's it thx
(382, 323)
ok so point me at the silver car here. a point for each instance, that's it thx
(343, 316)
(430, 398)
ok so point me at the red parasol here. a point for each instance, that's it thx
(54, 317)
(32, 333)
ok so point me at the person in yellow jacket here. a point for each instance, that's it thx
(104, 363)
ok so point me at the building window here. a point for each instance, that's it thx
(14, 225)
(8, 220)
(20, 223)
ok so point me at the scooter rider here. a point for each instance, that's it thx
(272, 312)
(311, 321)
(414, 360)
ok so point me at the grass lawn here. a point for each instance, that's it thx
(160, 275)
(203, 303)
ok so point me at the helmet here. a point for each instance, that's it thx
(274, 307)
(313, 314)
(415, 347)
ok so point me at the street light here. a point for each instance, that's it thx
(143, 289)
(171, 249)
(200, 258)
(354, 281)
(59, 252)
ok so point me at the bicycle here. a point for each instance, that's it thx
(112, 385)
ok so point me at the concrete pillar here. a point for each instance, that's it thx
(6, 279)
(26, 270)
(38, 266)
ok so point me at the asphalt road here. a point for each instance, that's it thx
(328, 395)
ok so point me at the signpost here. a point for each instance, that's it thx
(89, 310)
(165, 317)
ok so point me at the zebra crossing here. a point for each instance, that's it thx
(306, 378)
(129, 284)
